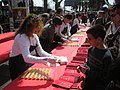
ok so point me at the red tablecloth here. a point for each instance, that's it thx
(5, 49)
(22, 84)
(6, 36)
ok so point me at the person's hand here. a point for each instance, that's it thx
(69, 39)
(60, 43)
(56, 57)
(62, 60)
(82, 68)
(82, 26)
(51, 59)
(64, 39)
(52, 65)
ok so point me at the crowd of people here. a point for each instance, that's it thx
(102, 68)
(43, 33)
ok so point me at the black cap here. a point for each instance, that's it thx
(103, 9)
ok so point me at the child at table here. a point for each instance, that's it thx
(26, 41)
(99, 59)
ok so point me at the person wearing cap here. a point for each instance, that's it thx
(59, 13)
(112, 36)
(114, 69)
(45, 18)
(102, 18)
(50, 12)
(116, 13)
(47, 36)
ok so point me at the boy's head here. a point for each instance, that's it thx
(78, 15)
(57, 21)
(96, 35)
(68, 18)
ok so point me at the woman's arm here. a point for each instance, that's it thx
(24, 45)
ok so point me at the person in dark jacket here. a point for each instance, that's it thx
(114, 69)
(47, 36)
(99, 60)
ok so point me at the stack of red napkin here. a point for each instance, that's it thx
(73, 64)
(70, 78)
(85, 45)
(80, 58)
(73, 72)
(57, 88)
(86, 48)
(68, 82)
(82, 50)
(70, 71)
(62, 84)
(77, 86)
(78, 61)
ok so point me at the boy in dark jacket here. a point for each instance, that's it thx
(99, 59)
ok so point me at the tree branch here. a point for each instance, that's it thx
(60, 1)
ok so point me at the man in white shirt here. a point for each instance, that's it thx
(76, 24)
(63, 33)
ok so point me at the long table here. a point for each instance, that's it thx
(25, 84)
(6, 36)
(5, 49)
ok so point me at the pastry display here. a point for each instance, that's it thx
(81, 33)
(37, 74)
(72, 44)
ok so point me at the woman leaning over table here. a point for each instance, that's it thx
(26, 40)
